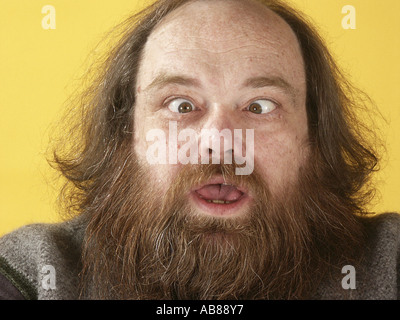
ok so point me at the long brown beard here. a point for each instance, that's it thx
(139, 246)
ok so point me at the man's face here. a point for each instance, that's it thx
(224, 65)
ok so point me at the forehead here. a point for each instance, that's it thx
(220, 35)
(223, 20)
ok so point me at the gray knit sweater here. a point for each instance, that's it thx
(42, 261)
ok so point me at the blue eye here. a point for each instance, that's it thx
(181, 106)
(262, 106)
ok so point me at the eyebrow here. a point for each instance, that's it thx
(164, 79)
(270, 81)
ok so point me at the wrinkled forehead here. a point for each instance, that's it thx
(226, 32)
(223, 21)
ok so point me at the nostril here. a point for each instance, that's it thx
(229, 151)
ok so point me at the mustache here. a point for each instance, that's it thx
(176, 213)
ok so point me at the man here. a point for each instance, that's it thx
(163, 210)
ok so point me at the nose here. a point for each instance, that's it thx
(216, 146)
(217, 136)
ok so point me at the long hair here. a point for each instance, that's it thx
(92, 154)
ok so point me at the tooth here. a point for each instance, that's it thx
(219, 201)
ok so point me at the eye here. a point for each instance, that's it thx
(262, 106)
(181, 106)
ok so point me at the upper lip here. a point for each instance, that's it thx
(220, 180)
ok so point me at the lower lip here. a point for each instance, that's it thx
(218, 209)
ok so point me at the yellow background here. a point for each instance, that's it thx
(40, 68)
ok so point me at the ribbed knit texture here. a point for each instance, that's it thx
(25, 252)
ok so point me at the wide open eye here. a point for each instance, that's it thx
(262, 106)
(181, 106)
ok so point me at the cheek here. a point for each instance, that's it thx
(279, 158)
(147, 132)
(159, 175)
(139, 135)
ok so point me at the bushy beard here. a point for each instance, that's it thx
(139, 245)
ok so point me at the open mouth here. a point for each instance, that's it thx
(219, 197)
(219, 193)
